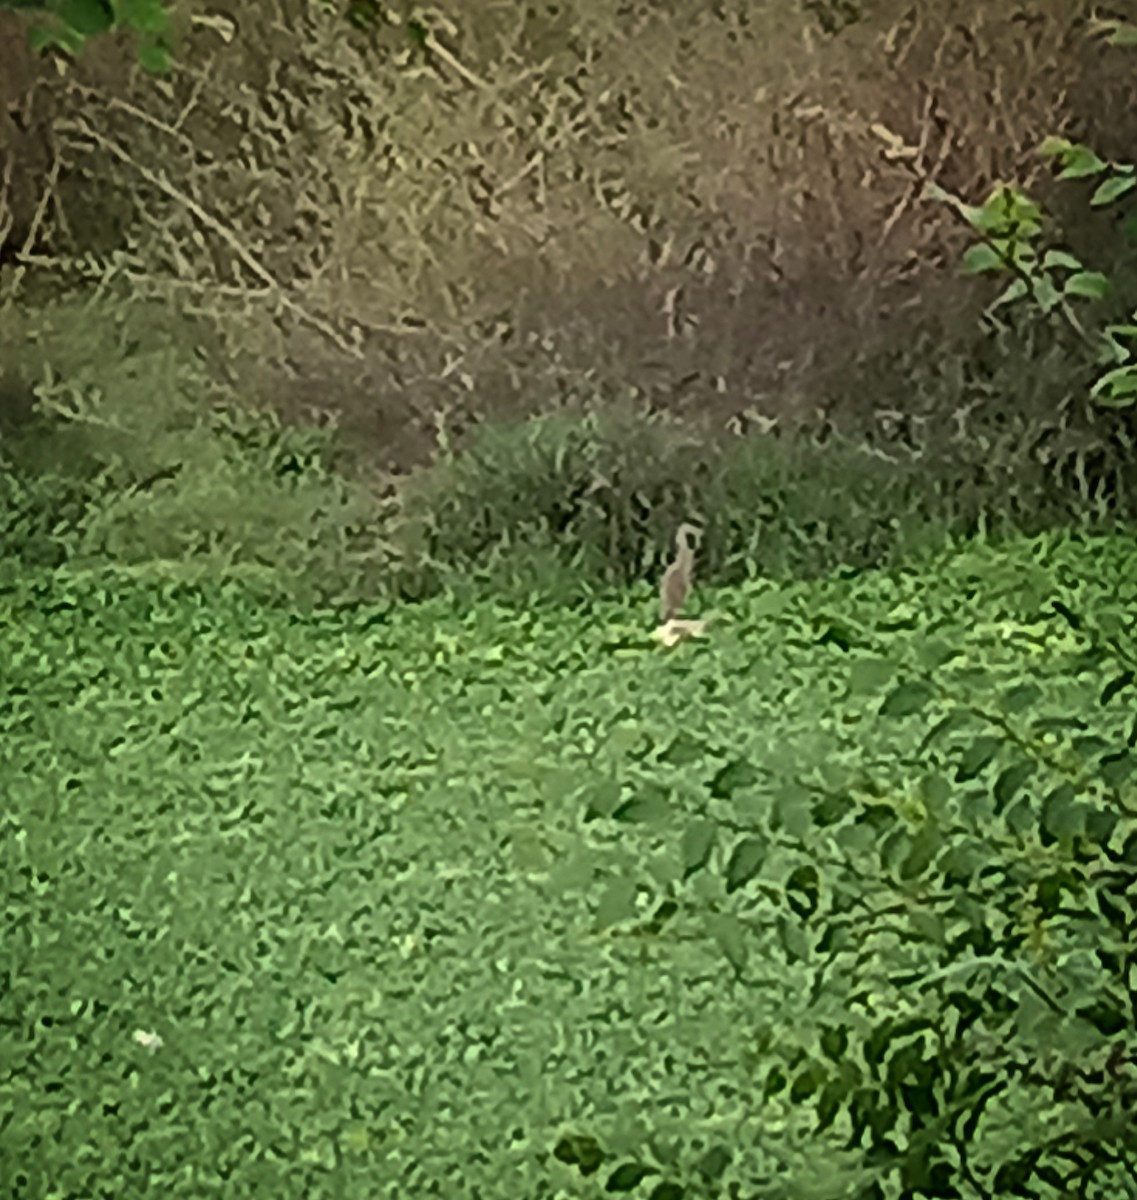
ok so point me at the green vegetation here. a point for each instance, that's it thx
(360, 840)
(1011, 228)
(66, 25)
(455, 900)
(124, 452)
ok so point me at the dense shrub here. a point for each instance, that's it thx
(599, 493)
(121, 449)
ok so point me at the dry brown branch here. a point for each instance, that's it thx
(38, 218)
(453, 61)
(7, 220)
(113, 102)
(352, 187)
(222, 230)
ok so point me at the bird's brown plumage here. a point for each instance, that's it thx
(677, 578)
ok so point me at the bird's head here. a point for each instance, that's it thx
(687, 533)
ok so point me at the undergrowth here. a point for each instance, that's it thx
(448, 900)
(120, 449)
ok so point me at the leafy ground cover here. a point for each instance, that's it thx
(429, 902)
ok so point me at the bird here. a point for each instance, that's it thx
(677, 578)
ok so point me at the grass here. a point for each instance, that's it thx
(377, 879)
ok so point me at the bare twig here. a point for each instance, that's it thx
(7, 219)
(456, 63)
(246, 256)
(38, 218)
(138, 114)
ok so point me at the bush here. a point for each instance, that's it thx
(598, 494)
(593, 488)
(127, 452)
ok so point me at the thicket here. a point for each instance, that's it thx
(132, 452)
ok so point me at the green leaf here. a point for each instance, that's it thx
(1117, 388)
(803, 888)
(1080, 161)
(835, 632)
(808, 1082)
(365, 15)
(1010, 780)
(740, 773)
(683, 749)
(1113, 188)
(52, 37)
(1021, 254)
(1055, 147)
(712, 1165)
(794, 939)
(1061, 259)
(976, 758)
(617, 903)
(602, 799)
(829, 1103)
(934, 652)
(579, 1150)
(529, 853)
(1005, 210)
(698, 841)
(667, 1190)
(154, 57)
(144, 16)
(869, 675)
(651, 805)
(769, 604)
(981, 258)
(776, 1082)
(834, 1042)
(895, 847)
(906, 699)
(1021, 697)
(731, 936)
(745, 862)
(925, 846)
(1062, 816)
(1120, 33)
(627, 1176)
(86, 17)
(1093, 285)
(1117, 769)
(935, 792)
(1046, 294)
(1015, 290)
(929, 926)
(793, 810)
(1122, 331)
(418, 33)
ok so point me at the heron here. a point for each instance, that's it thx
(677, 578)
